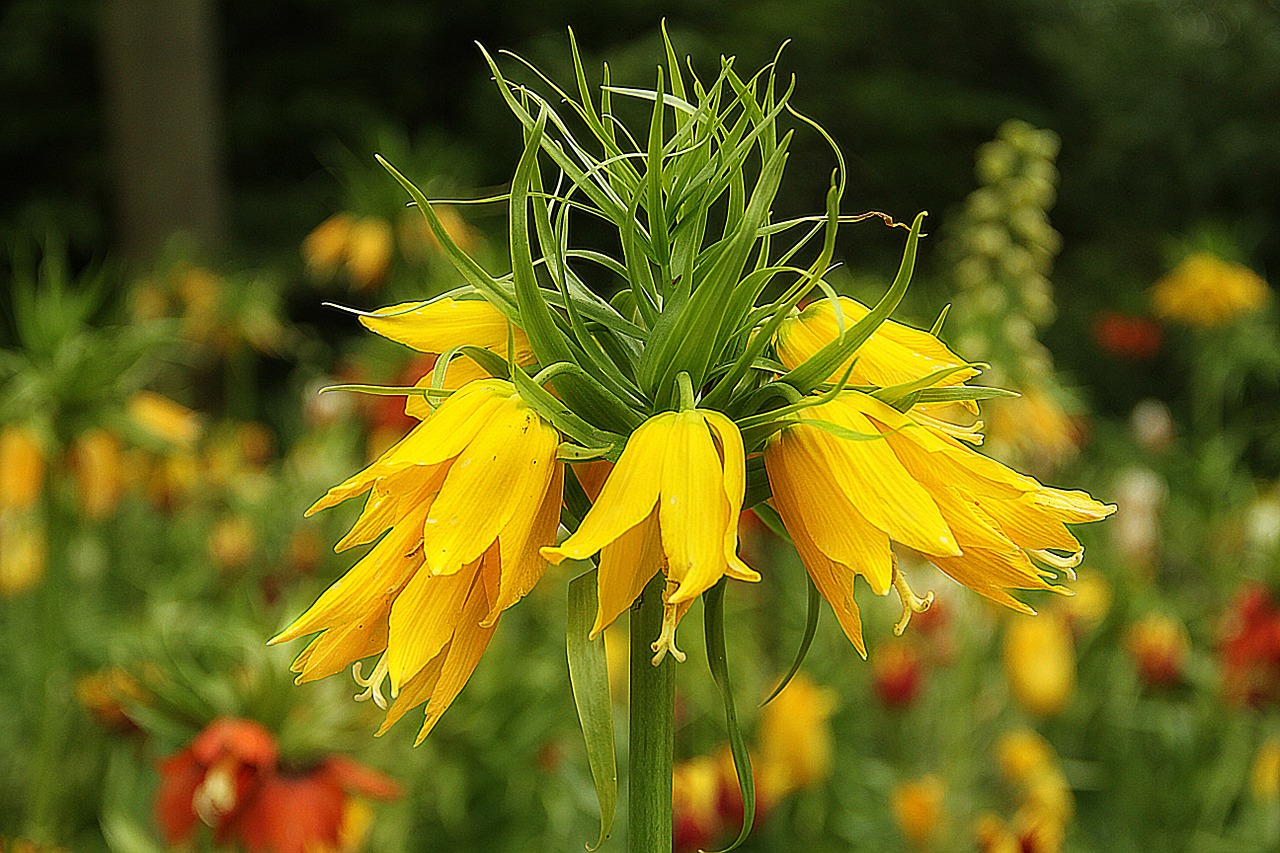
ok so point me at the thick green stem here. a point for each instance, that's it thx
(653, 690)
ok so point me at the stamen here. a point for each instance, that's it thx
(216, 794)
(971, 433)
(373, 684)
(666, 641)
(1065, 564)
(911, 603)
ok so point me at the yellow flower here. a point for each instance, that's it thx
(844, 498)
(670, 504)
(99, 472)
(440, 325)
(1205, 290)
(1040, 663)
(468, 497)
(1264, 776)
(1158, 644)
(1023, 754)
(325, 248)
(795, 737)
(917, 807)
(165, 419)
(1035, 427)
(24, 551)
(892, 355)
(370, 243)
(21, 468)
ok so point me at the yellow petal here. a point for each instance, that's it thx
(337, 648)
(692, 509)
(833, 581)
(370, 583)
(628, 495)
(447, 323)
(423, 619)
(807, 495)
(894, 353)
(520, 543)
(469, 643)
(626, 565)
(735, 476)
(869, 473)
(435, 440)
(502, 472)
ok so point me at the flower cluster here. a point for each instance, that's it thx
(645, 423)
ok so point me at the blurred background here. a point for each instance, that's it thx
(186, 183)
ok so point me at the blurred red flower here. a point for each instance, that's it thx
(1250, 648)
(229, 777)
(1126, 336)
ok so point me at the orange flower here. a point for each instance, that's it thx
(230, 778)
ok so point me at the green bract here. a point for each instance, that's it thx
(703, 274)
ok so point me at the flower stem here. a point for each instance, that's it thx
(652, 729)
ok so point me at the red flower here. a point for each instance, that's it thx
(1250, 649)
(897, 673)
(229, 777)
(1125, 336)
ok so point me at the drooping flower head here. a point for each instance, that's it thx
(695, 391)
(231, 779)
(464, 501)
(671, 504)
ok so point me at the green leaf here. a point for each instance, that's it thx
(773, 521)
(589, 677)
(475, 274)
(536, 318)
(718, 661)
(563, 418)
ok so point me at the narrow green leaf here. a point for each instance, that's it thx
(717, 659)
(475, 274)
(536, 318)
(589, 677)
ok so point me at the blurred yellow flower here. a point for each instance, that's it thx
(993, 835)
(1158, 644)
(1205, 290)
(795, 736)
(1033, 427)
(98, 470)
(370, 244)
(917, 807)
(1040, 663)
(232, 543)
(670, 504)
(1264, 776)
(22, 464)
(417, 239)
(1046, 804)
(325, 248)
(843, 498)
(164, 419)
(1092, 600)
(468, 497)
(1023, 754)
(24, 551)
